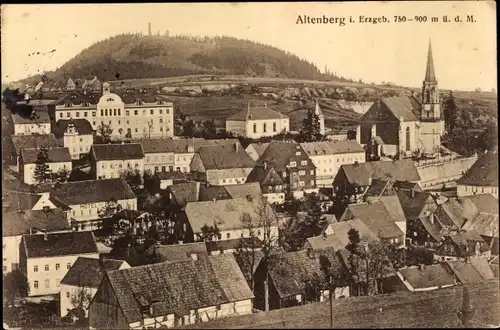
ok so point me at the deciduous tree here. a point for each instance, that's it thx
(104, 131)
(15, 284)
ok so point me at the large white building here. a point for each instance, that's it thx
(59, 159)
(257, 122)
(85, 199)
(112, 160)
(129, 115)
(77, 136)
(46, 258)
(328, 156)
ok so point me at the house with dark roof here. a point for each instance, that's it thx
(231, 216)
(164, 155)
(77, 136)
(419, 208)
(257, 122)
(84, 278)
(185, 192)
(85, 199)
(481, 178)
(12, 145)
(19, 222)
(355, 179)
(255, 150)
(28, 201)
(271, 183)
(295, 277)
(92, 84)
(112, 160)
(171, 294)
(38, 122)
(462, 246)
(293, 165)
(58, 160)
(221, 165)
(473, 271)
(405, 125)
(426, 277)
(70, 85)
(452, 215)
(46, 258)
(328, 156)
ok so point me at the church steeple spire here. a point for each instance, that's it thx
(430, 75)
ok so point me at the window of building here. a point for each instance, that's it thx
(119, 112)
(156, 168)
(35, 284)
(255, 128)
(57, 266)
(302, 172)
(47, 283)
(67, 294)
(136, 130)
(68, 265)
(85, 113)
(292, 164)
(161, 120)
(301, 183)
(58, 282)
(60, 115)
(110, 122)
(136, 112)
(46, 268)
(152, 112)
(303, 162)
(294, 174)
(105, 112)
(167, 111)
(298, 153)
(35, 268)
(274, 127)
(114, 112)
(228, 235)
(264, 127)
(68, 114)
(127, 113)
(284, 174)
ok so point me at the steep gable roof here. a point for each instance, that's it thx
(486, 224)
(256, 113)
(92, 191)
(482, 267)
(36, 117)
(393, 109)
(117, 151)
(182, 145)
(459, 211)
(60, 244)
(484, 202)
(484, 172)
(278, 154)
(184, 192)
(225, 157)
(453, 168)
(55, 155)
(173, 252)
(465, 272)
(265, 175)
(339, 239)
(243, 190)
(258, 147)
(89, 272)
(414, 202)
(18, 223)
(178, 287)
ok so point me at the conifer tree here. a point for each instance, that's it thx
(43, 173)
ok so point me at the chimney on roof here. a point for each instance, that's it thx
(265, 165)
(45, 236)
(236, 146)
(421, 267)
(324, 235)
(310, 253)
(412, 192)
(214, 199)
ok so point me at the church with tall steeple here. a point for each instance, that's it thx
(404, 126)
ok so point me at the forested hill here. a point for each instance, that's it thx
(132, 56)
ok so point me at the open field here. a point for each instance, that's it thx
(433, 309)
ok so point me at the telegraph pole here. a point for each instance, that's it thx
(466, 312)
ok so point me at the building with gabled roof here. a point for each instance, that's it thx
(481, 178)
(84, 277)
(37, 123)
(257, 122)
(86, 198)
(70, 85)
(222, 164)
(17, 223)
(229, 216)
(290, 276)
(112, 160)
(46, 258)
(77, 136)
(444, 173)
(462, 246)
(292, 164)
(405, 124)
(59, 159)
(426, 277)
(171, 294)
(12, 145)
(271, 184)
(91, 84)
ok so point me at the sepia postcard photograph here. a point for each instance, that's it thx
(244, 165)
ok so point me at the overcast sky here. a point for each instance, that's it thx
(464, 53)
